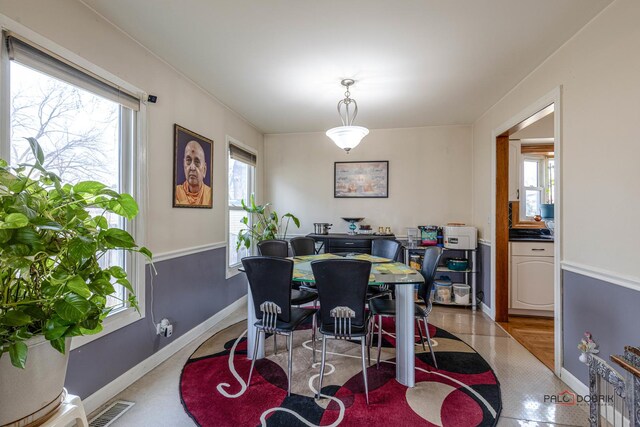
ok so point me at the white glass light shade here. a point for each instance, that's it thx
(347, 137)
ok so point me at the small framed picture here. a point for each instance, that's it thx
(192, 169)
(361, 179)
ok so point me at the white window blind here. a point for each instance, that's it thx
(40, 59)
(237, 153)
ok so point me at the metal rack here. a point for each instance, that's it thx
(470, 274)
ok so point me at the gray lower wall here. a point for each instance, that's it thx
(606, 310)
(483, 279)
(187, 290)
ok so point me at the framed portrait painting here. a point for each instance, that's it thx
(361, 179)
(192, 169)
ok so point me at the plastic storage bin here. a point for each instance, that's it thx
(461, 293)
(443, 291)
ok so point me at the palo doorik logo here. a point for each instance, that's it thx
(565, 398)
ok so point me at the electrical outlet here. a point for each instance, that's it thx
(168, 331)
(161, 328)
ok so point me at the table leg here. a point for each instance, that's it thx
(251, 330)
(405, 340)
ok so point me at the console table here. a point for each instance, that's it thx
(343, 242)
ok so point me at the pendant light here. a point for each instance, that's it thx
(347, 136)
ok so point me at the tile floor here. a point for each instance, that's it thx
(524, 379)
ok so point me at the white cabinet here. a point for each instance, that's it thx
(531, 275)
(514, 170)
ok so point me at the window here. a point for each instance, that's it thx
(88, 130)
(537, 183)
(242, 164)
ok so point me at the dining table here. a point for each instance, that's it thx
(383, 272)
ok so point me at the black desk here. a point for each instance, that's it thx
(342, 242)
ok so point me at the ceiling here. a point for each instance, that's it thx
(278, 63)
(538, 130)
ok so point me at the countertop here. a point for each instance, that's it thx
(549, 239)
(351, 236)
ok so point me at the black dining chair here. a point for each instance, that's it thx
(274, 247)
(280, 248)
(270, 283)
(387, 308)
(301, 246)
(389, 249)
(342, 289)
(386, 248)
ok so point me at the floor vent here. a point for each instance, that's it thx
(112, 413)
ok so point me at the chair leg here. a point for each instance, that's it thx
(379, 340)
(364, 370)
(290, 345)
(420, 332)
(313, 336)
(433, 354)
(255, 353)
(369, 339)
(324, 352)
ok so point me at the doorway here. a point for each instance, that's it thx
(526, 248)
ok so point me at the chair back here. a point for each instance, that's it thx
(342, 284)
(275, 247)
(270, 282)
(386, 248)
(303, 246)
(429, 265)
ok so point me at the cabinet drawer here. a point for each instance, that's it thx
(350, 244)
(532, 249)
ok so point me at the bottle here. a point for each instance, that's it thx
(440, 237)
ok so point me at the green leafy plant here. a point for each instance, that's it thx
(52, 238)
(265, 224)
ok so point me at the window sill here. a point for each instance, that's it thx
(516, 222)
(111, 324)
(233, 271)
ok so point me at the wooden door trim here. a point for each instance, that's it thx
(502, 229)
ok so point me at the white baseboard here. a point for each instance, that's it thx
(578, 386)
(537, 313)
(486, 310)
(109, 391)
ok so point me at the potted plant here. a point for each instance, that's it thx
(54, 283)
(265, 224)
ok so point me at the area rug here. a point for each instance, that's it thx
(464, 391)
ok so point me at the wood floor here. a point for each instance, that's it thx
(535, 334)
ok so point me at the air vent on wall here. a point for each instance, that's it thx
(112, 413)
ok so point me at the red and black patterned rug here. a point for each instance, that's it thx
(464, 391)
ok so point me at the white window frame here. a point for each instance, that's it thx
(543, 181)
(233, 270)
(523, 189)
(134, 174)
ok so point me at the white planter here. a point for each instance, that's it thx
(31, 393)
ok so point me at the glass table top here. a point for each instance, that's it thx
(382, 272)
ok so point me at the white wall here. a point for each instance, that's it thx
(599, 71)
(75, 27)
(429, 177)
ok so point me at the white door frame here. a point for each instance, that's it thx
(553, 97)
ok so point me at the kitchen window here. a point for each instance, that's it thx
(88, 129)
(537, 183)
(241, 182)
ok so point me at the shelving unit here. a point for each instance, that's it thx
(468, 274)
